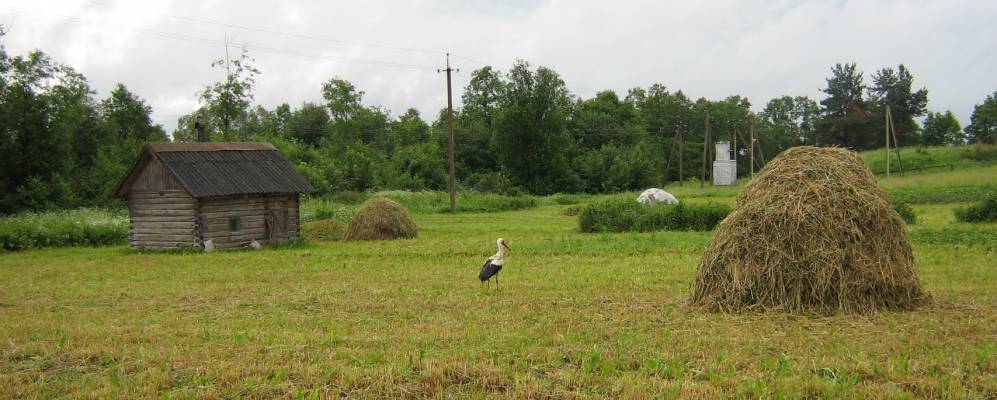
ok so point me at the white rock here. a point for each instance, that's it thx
(209, 246)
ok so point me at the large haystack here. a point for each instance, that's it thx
(812, 233)
(381, 219)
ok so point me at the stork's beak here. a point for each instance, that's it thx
(506, 245)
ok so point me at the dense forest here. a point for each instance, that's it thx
(518, 131)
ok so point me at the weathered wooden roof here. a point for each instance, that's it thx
(221, 168)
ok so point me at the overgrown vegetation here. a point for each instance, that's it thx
(906, 212)
(83, 227)
(326, 230)
(984, 211)
(622, 215)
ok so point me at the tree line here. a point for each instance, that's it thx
(518, 131)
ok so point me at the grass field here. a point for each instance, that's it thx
(576, 316)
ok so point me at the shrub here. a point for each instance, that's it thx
(349, 197)
(572, 210)
(623, 215)
(83, 227)
(906, 212)
(984, 211)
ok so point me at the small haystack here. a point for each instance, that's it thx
(812, 232)
(381, 219)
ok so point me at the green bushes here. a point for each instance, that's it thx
(940, 195)
(83, 227)
(906, 212)
(984, 211)
(622, 215)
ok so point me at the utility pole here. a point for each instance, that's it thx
(452, 183)
(751, 149)
(706, 149)
(887, 128)
(896, 143)
(681, 138)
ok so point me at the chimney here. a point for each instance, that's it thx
(199, 125)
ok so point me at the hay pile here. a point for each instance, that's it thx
(811, 233)
(381, 219)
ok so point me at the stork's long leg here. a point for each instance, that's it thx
(496, 281)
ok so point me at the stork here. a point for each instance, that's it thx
(494, 263)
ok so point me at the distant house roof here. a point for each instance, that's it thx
(221, 168)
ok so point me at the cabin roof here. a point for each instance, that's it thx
(221, 168)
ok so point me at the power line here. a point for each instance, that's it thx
(195, 39)
(305, 36)
(288, 34)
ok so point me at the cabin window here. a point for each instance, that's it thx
(233, 224)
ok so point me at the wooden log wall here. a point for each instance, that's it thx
(161, 220)
(216, 213)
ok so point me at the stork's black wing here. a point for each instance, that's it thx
(489, 270)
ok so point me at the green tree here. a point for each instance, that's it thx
(982, 126)
(940, 129)
(308, 124)
(604, 119)
(846, 118)
(128, 117)
(788, 121)
(342, 98)
(894, 88)
(227, 102)
(410, 129)
(530, 130)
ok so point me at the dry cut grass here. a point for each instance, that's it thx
(812, 232)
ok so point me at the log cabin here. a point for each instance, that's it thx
(181, 195)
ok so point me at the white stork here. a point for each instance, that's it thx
(494, 263)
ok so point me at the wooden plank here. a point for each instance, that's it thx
(144, 219)
(149, 206)
(231, 202)
(162, 213)
(163, 200)
(245, 219)
(163, 231)
(162, 224)
(219, 213)
(226, 214)
(157, 194)
(159, 237)
(243, 238)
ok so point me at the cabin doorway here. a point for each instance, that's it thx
(276, 221)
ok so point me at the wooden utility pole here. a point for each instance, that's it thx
(896, 143)
(676, 148)
(681, 139)
(887, 129)
(452, 181)
(751, 148)
(706, 149)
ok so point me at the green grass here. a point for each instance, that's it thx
(919, 160)
(577, 315)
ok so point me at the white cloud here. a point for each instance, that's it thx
(713, 49)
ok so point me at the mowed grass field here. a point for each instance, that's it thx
(575, 316)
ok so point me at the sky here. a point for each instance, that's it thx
(163, 50)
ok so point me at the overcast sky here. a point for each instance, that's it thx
(162, 50)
